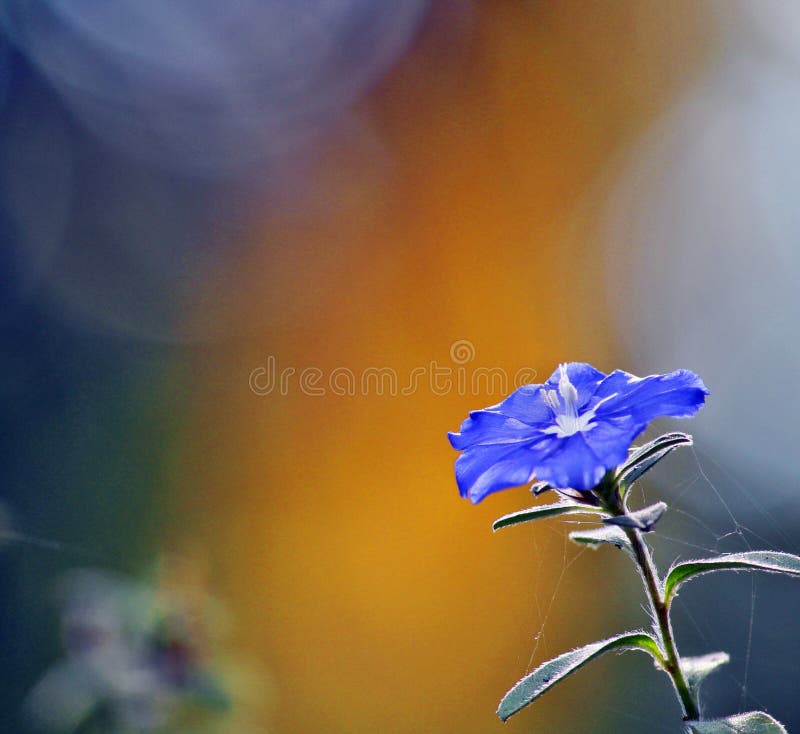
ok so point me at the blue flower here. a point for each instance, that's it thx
(569, 431)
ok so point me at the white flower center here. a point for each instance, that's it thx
(568, 422)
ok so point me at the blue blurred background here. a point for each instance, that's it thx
(188, 191)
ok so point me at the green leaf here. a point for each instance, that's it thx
(769, 561)
(646, 457)
(697, 668)
(753, 722)
(595, 537)
(534, 684)
(565, 507)
(644, 519)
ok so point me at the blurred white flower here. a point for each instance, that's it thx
(136, 655)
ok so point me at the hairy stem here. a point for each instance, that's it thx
(613, 501)
(672, 664)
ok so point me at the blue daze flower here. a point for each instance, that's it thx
(569, 431)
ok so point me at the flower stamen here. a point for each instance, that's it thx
(568, 392)
(550, 398)
(565, 411)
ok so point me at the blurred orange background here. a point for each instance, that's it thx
(198, 197)
(380, 600)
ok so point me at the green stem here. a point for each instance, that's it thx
(672, 664)
(613, 501)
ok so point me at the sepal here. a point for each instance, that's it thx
(595, 537)
(646, 457)
(644, 519)
(538, 488)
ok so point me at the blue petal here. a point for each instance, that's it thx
(611, 437)
(488, 427)
(679, 394)
(584, 378)
(482, 470)
(573, 465)
(526, 405)
(616, 383)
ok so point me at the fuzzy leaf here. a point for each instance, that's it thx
(697, 668)
(769, 561)
(753, 722)
(595, 537)
(534, 684)
(644, 519)
(565, 507)
(646, 457)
